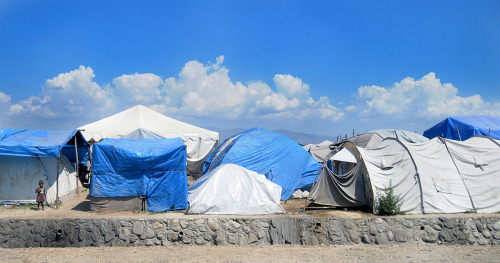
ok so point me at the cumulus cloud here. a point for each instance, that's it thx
(424, 98)
(65, 97)
(204, 90)
(208, 90)
(291, 87)
(4, 100)
(138, 88)
(200, 90)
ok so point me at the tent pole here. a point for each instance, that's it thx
(57, 184)
(459, 134)
(91, 163)
(461, 177)
(77, 169)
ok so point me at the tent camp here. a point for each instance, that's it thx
(199, 142)
(462, 128)
(232, 189)
(437, 176)
(127, 170)
(28, 156)
(282, 160)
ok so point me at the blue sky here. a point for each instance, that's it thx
(323, 67)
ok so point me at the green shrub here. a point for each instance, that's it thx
(389, 203)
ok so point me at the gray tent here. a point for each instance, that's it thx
(437, 176)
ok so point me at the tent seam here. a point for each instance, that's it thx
(458, 171)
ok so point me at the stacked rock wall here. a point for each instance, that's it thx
(16, 233)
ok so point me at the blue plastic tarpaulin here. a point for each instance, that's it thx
(282, 160)
(42, 143)
(467, 127)
(154, 168)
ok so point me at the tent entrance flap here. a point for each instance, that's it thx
(345, 190)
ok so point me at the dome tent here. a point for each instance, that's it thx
(282, 160)
(343, 185)
(232, 189)
(436, 176)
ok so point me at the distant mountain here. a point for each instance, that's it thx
(226, 133)
(300, 138)
(305, 138)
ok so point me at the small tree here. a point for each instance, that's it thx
(389, 203)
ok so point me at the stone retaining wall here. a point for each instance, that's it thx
(17, 233)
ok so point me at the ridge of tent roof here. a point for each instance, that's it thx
(139, 116)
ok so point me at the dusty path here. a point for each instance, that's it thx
(79, 206)
(356, 253)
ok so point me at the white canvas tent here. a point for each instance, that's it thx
(199, 142)
(232, 189)
(437, 176)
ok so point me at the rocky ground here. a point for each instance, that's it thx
(354, 253)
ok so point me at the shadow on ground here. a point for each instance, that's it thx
(82, 206)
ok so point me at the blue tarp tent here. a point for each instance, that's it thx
(154, 168)
(282, 160)
(467, 126)
(42, 143)
(28, 156)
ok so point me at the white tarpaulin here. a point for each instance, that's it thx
(199, 142)
(232, 189)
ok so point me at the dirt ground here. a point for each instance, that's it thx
(355, 253)
(78, 206)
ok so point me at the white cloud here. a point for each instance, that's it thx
(4, 102)
(138, 88)
(423, 98)
(290, 86)
(208, 90)
(4, 98)
(66, 98)
(199, 91)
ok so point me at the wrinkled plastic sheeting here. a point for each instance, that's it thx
(282, 160)
(466, 126)
(41, 143)
(232, 189)
(154, 168)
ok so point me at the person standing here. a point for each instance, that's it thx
(41, 194)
